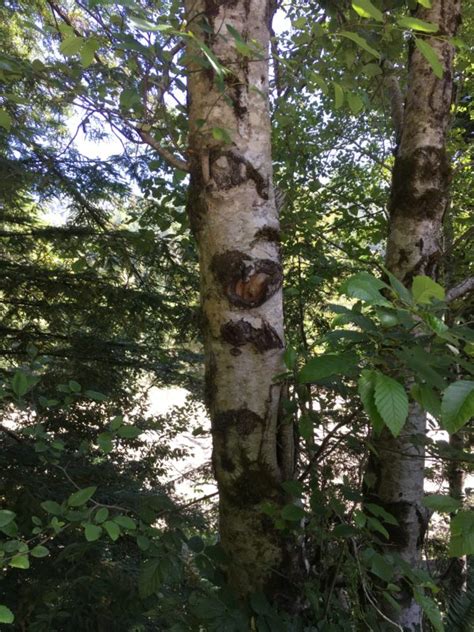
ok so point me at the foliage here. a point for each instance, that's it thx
(99, 307)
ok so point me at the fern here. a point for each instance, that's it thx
(460, 616)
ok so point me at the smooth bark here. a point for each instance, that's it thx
(235, 222)
(419, 197)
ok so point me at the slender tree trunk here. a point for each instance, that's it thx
(419, 197)
(235, 222)
(455, 472)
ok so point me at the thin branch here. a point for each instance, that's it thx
(324, 444)
(464, 287)
(10, 433)
(170, 158)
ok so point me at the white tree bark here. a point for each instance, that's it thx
(419, 198)
(235, 222)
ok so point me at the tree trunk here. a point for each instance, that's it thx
(235, 222)
(419, 197)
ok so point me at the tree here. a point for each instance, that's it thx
(418, 203)
(110, 297)
(235, 221)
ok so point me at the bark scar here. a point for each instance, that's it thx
(245, 281)
(236, 170)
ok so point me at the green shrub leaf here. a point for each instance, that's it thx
(457, 405)
(391, 401)
(81, 497)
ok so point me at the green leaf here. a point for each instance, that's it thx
(457, 405)
(240, 44)
(6, 516)
(71, 45)
(327, 365)
(51, 507)
(338, 95)
(360, 41)
(125, 522)
(437, 325)
(430, 609)
(5, 120)
(116, 422)
(289, 358)
(425, 3)
(20, 561)
(397, 286)
(95, 395)
(129, 100)
(424, 289)
(143, 543)
(292, 512)
(380, 512)
(427, 398)
(372, 70)
(212, 59)
(101, 515)
(222, 135)
(39, 551)
(365, 287)
(462, 534)
(375, 525)
(391, 401)
(355, 102)
(20, 383)
(415, 24)
(299, 23)
(366, 9)
(81, 497)
(6, 615)
(149, 581)
(88, 51)
(344, 531)
(431, 56)
(387, 317)
(319, 81)
(305, 426)
(443, 504)
(104, 441)
(74, 386)
(366, 389)
(345, 316)
(145, 25)
(92, 532)
(295, 488)
(129, 432)
(112, 529)
(380, 567)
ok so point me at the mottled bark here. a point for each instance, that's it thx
(419, 198)
(235, 222)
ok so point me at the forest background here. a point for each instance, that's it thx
(341, 447)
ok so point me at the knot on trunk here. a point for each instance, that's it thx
(240, 332)
(246, 282)
(420, 183)
(241, 419)
(229, 169)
